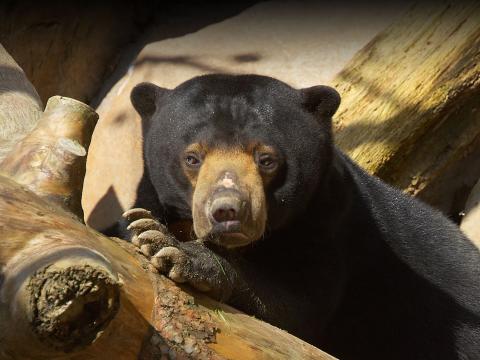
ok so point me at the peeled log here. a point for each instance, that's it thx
(72, 293)
(58, 290)
(51, 159)
(409, 111)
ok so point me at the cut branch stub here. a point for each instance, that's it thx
(51, 159)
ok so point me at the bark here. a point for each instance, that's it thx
(410, 99)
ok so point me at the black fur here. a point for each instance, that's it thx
(348, 263)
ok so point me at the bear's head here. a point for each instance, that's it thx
(240, 154)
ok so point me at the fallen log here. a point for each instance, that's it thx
(68, 292)
(72, 293)
(410, 99)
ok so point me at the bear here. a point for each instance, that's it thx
(287, 228)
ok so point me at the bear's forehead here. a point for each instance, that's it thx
(233, 110)
(220, 110)
(221, 120)
(240, 108)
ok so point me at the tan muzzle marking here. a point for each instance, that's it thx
(232, 169)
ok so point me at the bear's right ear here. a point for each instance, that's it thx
(145, 97)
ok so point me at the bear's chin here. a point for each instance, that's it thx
(232, 240)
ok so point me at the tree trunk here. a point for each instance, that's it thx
(68, 292)
(410, 99)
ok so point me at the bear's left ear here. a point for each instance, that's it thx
(321, 100)
(145, 97)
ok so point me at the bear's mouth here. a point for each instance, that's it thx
(229, 234)
(227, 227)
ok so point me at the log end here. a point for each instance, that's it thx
(69, 306)
(56, 304)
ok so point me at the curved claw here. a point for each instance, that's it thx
(155, 237)
(136, 214)
(152, 241)
(143, 224)
(148, 249)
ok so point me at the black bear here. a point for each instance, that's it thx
(289, 229)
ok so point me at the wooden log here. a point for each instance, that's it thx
(51, 159)
(410, 99)
(82, 291)
(20, 105)
(71, 293)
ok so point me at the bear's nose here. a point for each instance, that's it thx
(225, 209)
(227, 213)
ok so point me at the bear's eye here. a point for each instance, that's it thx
(192, 160)
(266, 161)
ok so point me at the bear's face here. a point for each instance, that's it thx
(238, 154)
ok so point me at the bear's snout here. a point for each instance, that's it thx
(227, 212)
(228, 202)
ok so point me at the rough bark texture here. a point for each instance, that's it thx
(51, 159)
(20, 105)
(410, 99)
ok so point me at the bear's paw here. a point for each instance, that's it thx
(189, 262)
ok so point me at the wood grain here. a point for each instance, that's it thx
(51, 159)
(410, 99)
